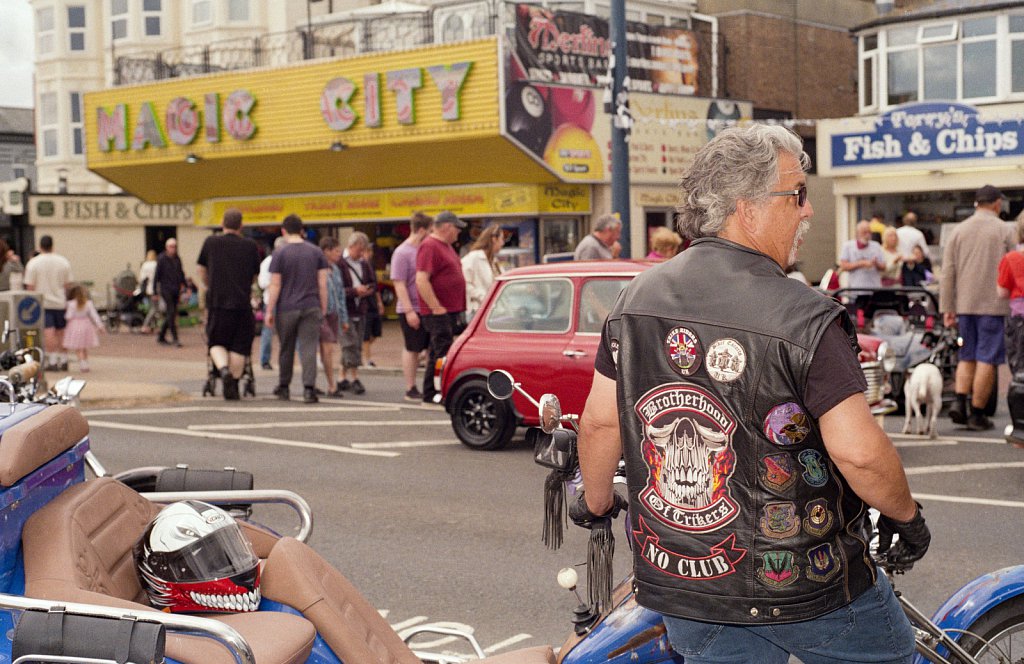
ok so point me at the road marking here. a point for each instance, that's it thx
(324, 423)
(993, 502)
(404, 443)
(926, 443)
(241, 437)
(964, 467)
(507, 642)
(944, 440)
(374, 408)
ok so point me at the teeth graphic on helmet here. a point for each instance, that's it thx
(240, 602)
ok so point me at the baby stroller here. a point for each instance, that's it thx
(125, 297)
(246, 384)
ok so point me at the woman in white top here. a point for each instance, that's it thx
(480, 266)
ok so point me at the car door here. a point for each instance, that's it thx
(596, 297)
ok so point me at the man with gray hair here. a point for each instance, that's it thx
(360, 285)
(598, 245)
(735, 395)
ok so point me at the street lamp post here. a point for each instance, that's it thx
(620, 123)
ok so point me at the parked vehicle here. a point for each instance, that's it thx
(982, 622)
(542, 323)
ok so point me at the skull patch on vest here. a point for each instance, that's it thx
(687, 449)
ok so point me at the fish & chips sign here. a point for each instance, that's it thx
(929, 132)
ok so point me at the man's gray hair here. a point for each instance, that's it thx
(358, 238)
(739, 163)
(606, 221)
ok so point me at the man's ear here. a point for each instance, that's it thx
(746, 215)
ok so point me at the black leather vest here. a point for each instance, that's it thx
(738, 514)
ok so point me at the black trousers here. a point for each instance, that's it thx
(440, 328)
(171, 316)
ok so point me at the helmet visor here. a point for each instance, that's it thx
(222, 553)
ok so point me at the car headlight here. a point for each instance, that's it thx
(887, 357)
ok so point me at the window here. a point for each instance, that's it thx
(20, 170)
(869, 70)
(902, 77)
(151, 17)
(939, 71)
(44, 30)
(597, 297)
(77, 136)
(979, 77)
(48, 120)
(542, 305)
(202, 12)
(118, 19)
(452, 30)
(76, 27)
(238, 10)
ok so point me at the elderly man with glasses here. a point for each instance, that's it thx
(735, 396)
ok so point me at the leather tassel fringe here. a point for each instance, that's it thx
(554, 509)
(600, 551)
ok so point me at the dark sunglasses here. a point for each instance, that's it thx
(801, 194)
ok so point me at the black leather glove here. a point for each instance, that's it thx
(914, 538)
(584, 518)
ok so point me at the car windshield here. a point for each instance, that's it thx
(541, 305)
(597, 299)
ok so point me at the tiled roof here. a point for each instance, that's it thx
(16, 120)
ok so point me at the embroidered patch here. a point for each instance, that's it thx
(615, 351)
(815, 473)
(822, 563)
(777, 472)
(720, 561)
(786, 424)
(780, 520)
(778, 569)
(819, 518)
(689, 456)
(726, 360)
(683, 349)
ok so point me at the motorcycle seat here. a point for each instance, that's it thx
(78, 548)
(297, 576)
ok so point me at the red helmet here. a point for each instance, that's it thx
(193, 558)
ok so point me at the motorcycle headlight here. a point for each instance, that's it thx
(887, 357)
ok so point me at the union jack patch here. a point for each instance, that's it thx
(683, 349)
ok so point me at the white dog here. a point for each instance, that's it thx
(923, 387)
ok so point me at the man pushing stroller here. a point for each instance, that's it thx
(228, 265)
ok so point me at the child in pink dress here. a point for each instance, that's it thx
(83, 323)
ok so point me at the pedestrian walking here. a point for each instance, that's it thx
(480, 267)
(147, 282)
(967, 299)
(228, 266)
(751, 453)
(83, 325)
(296, 306)
(359, 280)
(442, 291)
(1010, 285)
(403, 276)
(49, 273)
(336, 318)
(170, 283)
(373, 329)
(263, 281)
(601, 243)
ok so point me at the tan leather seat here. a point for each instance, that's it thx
(297, 576)
(78, 548)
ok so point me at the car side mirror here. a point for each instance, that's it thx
(500, 384)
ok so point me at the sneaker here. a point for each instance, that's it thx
(281, 392)
(978, 422)
(336, 394)
(357, 387)
(83, 366)
(309, 395)
(267, 366)
(414, 395)
(344, 386)
(177, 344)
(162, 341)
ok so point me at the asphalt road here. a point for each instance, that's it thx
(432, 531)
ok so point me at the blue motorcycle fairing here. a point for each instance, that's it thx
(628, 635)
(976, 598)
(322, 653)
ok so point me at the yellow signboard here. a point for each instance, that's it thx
(469, 201)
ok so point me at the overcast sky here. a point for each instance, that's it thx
(16, 53)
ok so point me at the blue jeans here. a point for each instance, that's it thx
(266, 336)
(873, 628)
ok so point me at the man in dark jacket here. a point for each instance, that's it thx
(169, 279)
(360, 285)
(750, 449)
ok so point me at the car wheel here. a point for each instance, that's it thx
(480, 421)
